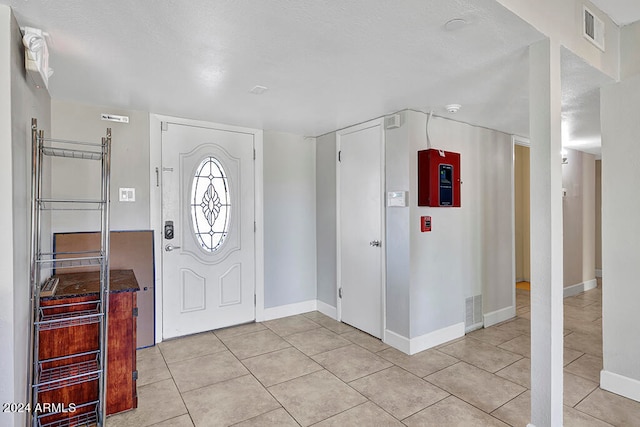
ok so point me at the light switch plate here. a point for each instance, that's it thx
(127, 194)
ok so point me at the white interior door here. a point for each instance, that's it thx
(209, 263)
(360, 227)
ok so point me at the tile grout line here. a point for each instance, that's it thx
(393, 364)
(585, 398)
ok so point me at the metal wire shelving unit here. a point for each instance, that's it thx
(72, 369)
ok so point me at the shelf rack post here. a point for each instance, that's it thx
(104, 271)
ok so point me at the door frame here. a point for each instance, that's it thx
(525, 142)
(155, 205)
(383, 220)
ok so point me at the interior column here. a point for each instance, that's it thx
(546, 234)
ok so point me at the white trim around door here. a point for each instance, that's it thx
(155, 203)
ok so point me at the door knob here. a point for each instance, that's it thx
(376, 243)
(170, 247)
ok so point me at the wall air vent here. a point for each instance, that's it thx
(392, 122)
(593, 28)
(473, 313)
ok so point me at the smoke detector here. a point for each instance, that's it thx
(453, 108)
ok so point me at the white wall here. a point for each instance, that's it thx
(562, 22)
(629, 52)
(289, 186)
(469, 250)
(326, 246)
(7, 374)
(398, 236)
(16, 110)
(290, 218)
(579, 222)
(598, 215)
(620, 237)
(129, 166)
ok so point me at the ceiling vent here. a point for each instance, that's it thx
(593, 28)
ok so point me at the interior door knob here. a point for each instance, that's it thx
(376, 243)
(170, 247)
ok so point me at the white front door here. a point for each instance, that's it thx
(360, 226)
(208, 201)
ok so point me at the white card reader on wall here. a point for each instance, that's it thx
(397, 199)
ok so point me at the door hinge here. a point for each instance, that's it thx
(340, 155)
(254, 154)
(339, 292)
(255, 226)
(134, 375)
(255, 299)
(135, 312)
(164, 126)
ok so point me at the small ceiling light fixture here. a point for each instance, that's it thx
(453, 108)
(258, 90)
(455, 24)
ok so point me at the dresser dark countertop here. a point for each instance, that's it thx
(87, 283)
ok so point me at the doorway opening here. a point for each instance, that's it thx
(522, 215)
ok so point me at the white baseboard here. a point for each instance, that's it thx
(290, 309)
(590, 284)
(598, 272)
(578, 288)
(397, 341)
(498, 316)
(327, 309)
(423, 342)
(618, 384)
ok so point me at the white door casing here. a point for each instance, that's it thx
(207, 286)
(360, 182)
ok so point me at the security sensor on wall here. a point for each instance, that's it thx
(33, 42)
(36, 58)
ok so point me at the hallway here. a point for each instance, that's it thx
(311, 370)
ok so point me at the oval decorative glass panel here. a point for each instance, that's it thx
(210, 204)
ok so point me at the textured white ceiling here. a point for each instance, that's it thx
(327, 63)
(623, 12)
(581, 103)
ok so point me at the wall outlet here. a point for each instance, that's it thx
(127, 194)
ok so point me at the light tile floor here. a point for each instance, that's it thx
(311, 370)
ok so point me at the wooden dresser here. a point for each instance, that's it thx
(73, 290)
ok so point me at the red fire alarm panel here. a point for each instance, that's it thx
(438, 178)
(425, 223)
